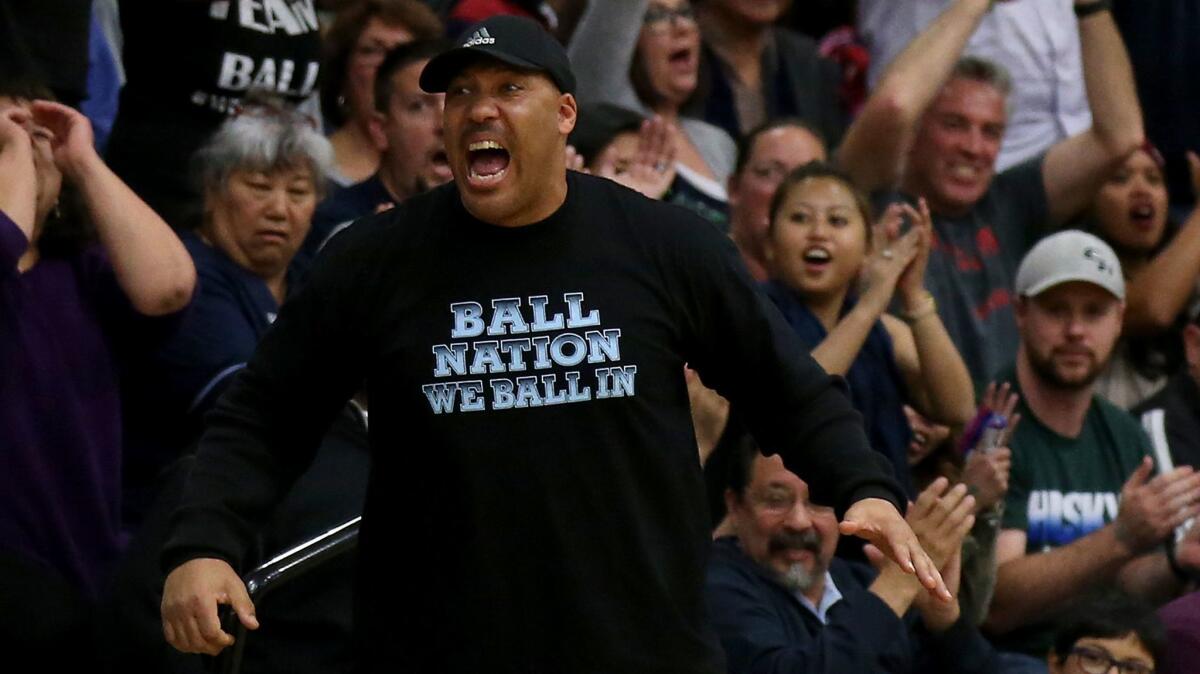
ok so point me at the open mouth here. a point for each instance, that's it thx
(1141, 215)
(681, 59)
(817, 257)
(440, 162)
(487, 162)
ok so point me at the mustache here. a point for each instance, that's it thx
(491, 127)
(1074, 351)
(807, 540)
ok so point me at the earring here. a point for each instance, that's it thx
(57, 211)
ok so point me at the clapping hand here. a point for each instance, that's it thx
(891, 254)
(911, 285)
(653, 166)
(879, 523)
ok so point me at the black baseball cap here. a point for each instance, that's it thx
(515, 40)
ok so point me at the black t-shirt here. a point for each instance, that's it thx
(536, 501)
(188, 65)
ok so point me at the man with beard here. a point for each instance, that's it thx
(407, 129)
(1082, 504)
(551, 509)
(781, 602)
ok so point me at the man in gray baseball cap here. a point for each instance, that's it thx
(1083, 508)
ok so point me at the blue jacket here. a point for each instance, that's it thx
(764, 628)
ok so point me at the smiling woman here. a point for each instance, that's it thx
(835, 272)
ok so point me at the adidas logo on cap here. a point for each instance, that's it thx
(480, 37)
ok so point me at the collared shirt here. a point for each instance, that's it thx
(1038, 42)
(831, 596)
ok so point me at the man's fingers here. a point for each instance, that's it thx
(964, 528)
(1184, 515)
(948, 504)
(210, 626)
(963, 510)
(239, 599)
(169, 633)
(196, 643)
(1140, 474)
(928, 574)
(989, 396)
(1179, 480)
(929, 497)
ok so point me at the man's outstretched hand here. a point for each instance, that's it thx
(189, 606)
(878, 521)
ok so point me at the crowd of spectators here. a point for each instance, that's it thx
(980, 213)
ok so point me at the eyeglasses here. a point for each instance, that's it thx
(1098, 661)
(658, 17)
(779, 503)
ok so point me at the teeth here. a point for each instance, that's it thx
(484, 145)
(817, 254)
(490, 178)
(963, 171)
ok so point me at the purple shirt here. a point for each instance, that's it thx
(60, 440)
(1182, 620)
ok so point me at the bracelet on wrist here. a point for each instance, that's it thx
(1086, 10)
(1180, 573)
(927, 307)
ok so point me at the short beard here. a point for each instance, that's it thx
(797, 578)
(1046, 372)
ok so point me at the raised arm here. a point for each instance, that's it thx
(1156, 295)
(18, 187)
(151, 265)
(882, 270)
(874, 149)
(1075, 167)
(601, 51)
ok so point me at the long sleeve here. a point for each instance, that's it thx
(13, 245)
(742, 347)
(761, 634)
(264, 431)
(602, 49)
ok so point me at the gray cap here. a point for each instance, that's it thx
(1070, 255)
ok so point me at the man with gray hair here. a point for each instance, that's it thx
(933, 129)
(1083, 509)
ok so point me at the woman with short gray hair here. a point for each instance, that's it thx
(261, 175)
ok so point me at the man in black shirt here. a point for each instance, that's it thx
(522, 335)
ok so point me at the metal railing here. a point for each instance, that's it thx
(282, 569)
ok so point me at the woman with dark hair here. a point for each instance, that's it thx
(70, 316)
(821, 242)
(1161, 263)
(362, 34)
(1108, 631)
(644, 56)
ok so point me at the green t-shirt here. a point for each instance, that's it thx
(1062, 489)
